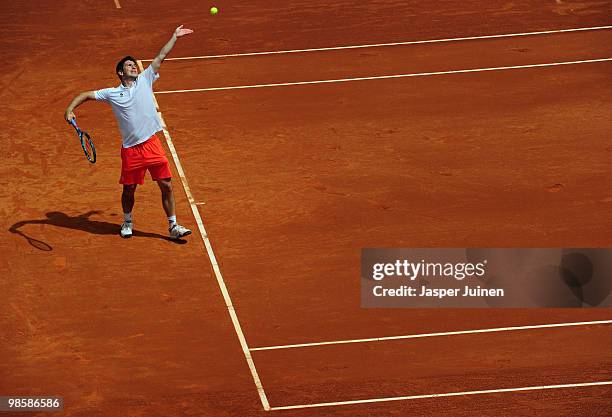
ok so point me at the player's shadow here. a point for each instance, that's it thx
(80, 222)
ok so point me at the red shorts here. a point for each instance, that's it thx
(136, 160)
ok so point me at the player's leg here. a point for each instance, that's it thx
(158, 166)
(130, 180)
(132, 174)
(127, 203)
(127, 197)
(167, 195)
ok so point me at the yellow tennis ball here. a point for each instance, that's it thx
(214, 10)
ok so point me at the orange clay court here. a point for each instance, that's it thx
(299, 133)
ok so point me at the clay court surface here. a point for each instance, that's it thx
(290, 182)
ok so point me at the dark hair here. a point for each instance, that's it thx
(119, 66)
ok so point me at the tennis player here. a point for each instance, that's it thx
(134, 108)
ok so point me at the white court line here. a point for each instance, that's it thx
(217, 270)
(421, 335)
(209, 250)
(378, 45)
(117, 5)
(383, 77)
(448, 394)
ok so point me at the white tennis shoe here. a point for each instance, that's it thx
(126, 229)
(177, 231)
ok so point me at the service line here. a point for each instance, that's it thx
(421, 335)
(384, 77)
(378, 45)
(447, 394)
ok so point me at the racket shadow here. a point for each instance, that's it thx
(35, 243)
(81, 222)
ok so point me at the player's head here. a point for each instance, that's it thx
(127, 68)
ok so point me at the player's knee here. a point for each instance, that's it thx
(129, 188)
(165, 186)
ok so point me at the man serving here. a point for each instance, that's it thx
(134, 108)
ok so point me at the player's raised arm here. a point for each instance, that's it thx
(168, 47)
(76, 102)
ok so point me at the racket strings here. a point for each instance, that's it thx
(88, 147)
(86, 142)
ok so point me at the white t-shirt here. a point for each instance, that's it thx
(134, 108)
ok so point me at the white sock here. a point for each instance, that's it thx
(172, 220)
(127, 217)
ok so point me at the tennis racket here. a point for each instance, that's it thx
(86, 142)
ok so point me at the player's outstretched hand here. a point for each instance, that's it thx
(182, 32)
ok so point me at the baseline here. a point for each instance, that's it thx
(447, 394)
(378, 45)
